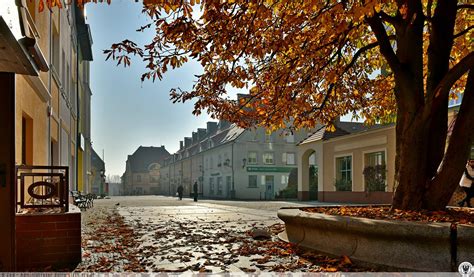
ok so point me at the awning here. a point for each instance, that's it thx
(12, 56)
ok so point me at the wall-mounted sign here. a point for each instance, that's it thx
(269, 169)
(9, 11)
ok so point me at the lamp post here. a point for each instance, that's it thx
(102, 181)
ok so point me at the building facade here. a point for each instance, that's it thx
(41, 68)
(355, 164)
(143, 170)
(98, 186)
(229, 162)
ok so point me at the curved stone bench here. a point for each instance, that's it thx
(408, 245)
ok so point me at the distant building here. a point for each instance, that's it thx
(143, 169)
(229, 162)
(97, 174)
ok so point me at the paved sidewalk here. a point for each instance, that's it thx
(163, 234)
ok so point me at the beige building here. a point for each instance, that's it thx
(354, 164)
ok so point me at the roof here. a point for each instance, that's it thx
(342, 129)
(144, 156)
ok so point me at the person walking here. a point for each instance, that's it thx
(195, 191)
(466, 183)
(180, 192)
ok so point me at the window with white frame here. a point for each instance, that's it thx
(344, 173)
(268, 158)
(252, 181)
(252, 158)
(288, 158)
(375, 171)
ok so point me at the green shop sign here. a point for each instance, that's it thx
(269, 169)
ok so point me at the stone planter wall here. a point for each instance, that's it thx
(408, 245)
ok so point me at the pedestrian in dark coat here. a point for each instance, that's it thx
(466, 183)
(180, 192)
(195, 191)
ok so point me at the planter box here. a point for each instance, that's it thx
(405, 245)
(48, 240)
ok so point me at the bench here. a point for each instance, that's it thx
(80, 200)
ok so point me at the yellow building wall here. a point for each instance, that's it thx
(30, 104)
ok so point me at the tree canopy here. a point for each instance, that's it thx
(309, 61)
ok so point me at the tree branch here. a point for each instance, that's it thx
(463, 32)
(465, 6)
(395, 21)
(466, 64)
(384, 42)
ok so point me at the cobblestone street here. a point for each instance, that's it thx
(163, 234)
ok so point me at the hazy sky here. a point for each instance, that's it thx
(125, 112)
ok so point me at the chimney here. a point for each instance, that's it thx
(195, 138)
(187, 142)
(181, 145)
(201, 134)
(223, 124)
(211, 128)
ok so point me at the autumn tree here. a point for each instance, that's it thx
(308, 61)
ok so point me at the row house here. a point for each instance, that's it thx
(229, 162)
(45, 125)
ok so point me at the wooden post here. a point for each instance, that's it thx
(7, 171)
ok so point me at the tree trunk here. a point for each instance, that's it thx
(444, 183)
(418, 188)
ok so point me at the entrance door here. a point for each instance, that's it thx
(269, 187)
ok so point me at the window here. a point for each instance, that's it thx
(375, 171)
(344, 173)
(211, 186)
(252, 181)
(268, 158)
(26, 140)
(219, 185)
(55, 58)
(252, 158)
(211, 163)
(288, 158)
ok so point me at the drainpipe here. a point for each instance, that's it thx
(78, 112)
(50, 109)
